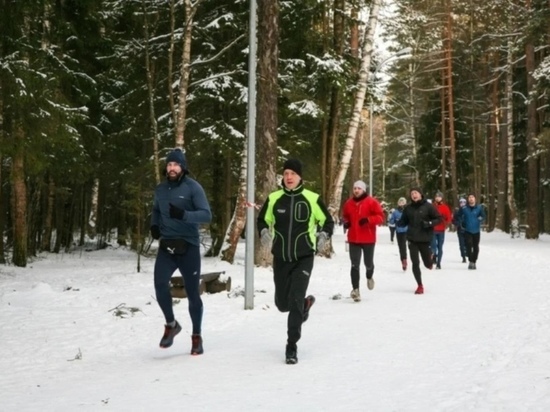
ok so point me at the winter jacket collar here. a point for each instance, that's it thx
(175, 183)
(296, 191)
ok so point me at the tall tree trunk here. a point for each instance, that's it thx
(92, 221)
(325, 104)
(185, 71)
(502, 163)
(510, 131)
(450, 104)
(532, 231)
(19, 199)
(149, 74)
(266, 110)
(325, 164)
(358, 168)
(368, 43)
(335, 104)
(444, 123)
(2, 214)
(48, 217)
(59, 218)
(170, 67)
(238, 220)
(412, 123)
(491, 156)
(2, 220)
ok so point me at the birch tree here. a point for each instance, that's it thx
(335, 195)
(185, 72)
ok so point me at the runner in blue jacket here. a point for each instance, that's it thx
(179, 207)
(472, 216)
(401, 231)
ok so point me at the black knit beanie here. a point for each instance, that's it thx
(295, 165)
(177, 156)
(418, 189)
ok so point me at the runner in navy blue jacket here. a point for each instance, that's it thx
(459, 229)
(179, 207)
(471, 216)
(401, 231)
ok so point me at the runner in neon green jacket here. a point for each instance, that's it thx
(290, 218)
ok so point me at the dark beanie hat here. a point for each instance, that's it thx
(295, 165)
(418, 189)
(177, 156)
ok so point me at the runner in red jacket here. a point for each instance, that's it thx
(439, 229)
(361, 214)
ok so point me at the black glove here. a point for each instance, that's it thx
(155, 232)
(363, 221)
(176, 212)
(427, 224)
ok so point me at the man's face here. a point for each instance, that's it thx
(415, 195)
(471, 200)
(357, 191)
(173, 170)
(291, 179)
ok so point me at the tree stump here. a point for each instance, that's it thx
(210, 282)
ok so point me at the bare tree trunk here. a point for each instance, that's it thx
(171, 66)
(149, 72)
(92, 221)
(19, 199)
(335, 111)
(48, 221)
(368, 43)
(491, 160)
(266, 110)
(2, 214)
(325, 180)
(358, 169)
(185, 71)
(505, 165)
(444, 107)
(238, 220)
(474, 148)
(501, 165)
(412, 124)
(532, 231)
(59, 219)
(510, 131)
(451, 107)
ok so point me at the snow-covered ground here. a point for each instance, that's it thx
(80, 331)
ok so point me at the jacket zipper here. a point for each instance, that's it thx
(290, 227)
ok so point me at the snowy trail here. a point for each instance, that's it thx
(476, 341)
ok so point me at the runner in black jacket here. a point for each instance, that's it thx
(420, 216)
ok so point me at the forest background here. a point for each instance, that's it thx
(91, 92)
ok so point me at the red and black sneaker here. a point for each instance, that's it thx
(308, 303)
(170, 333)
(196, 345)
(419, 290)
